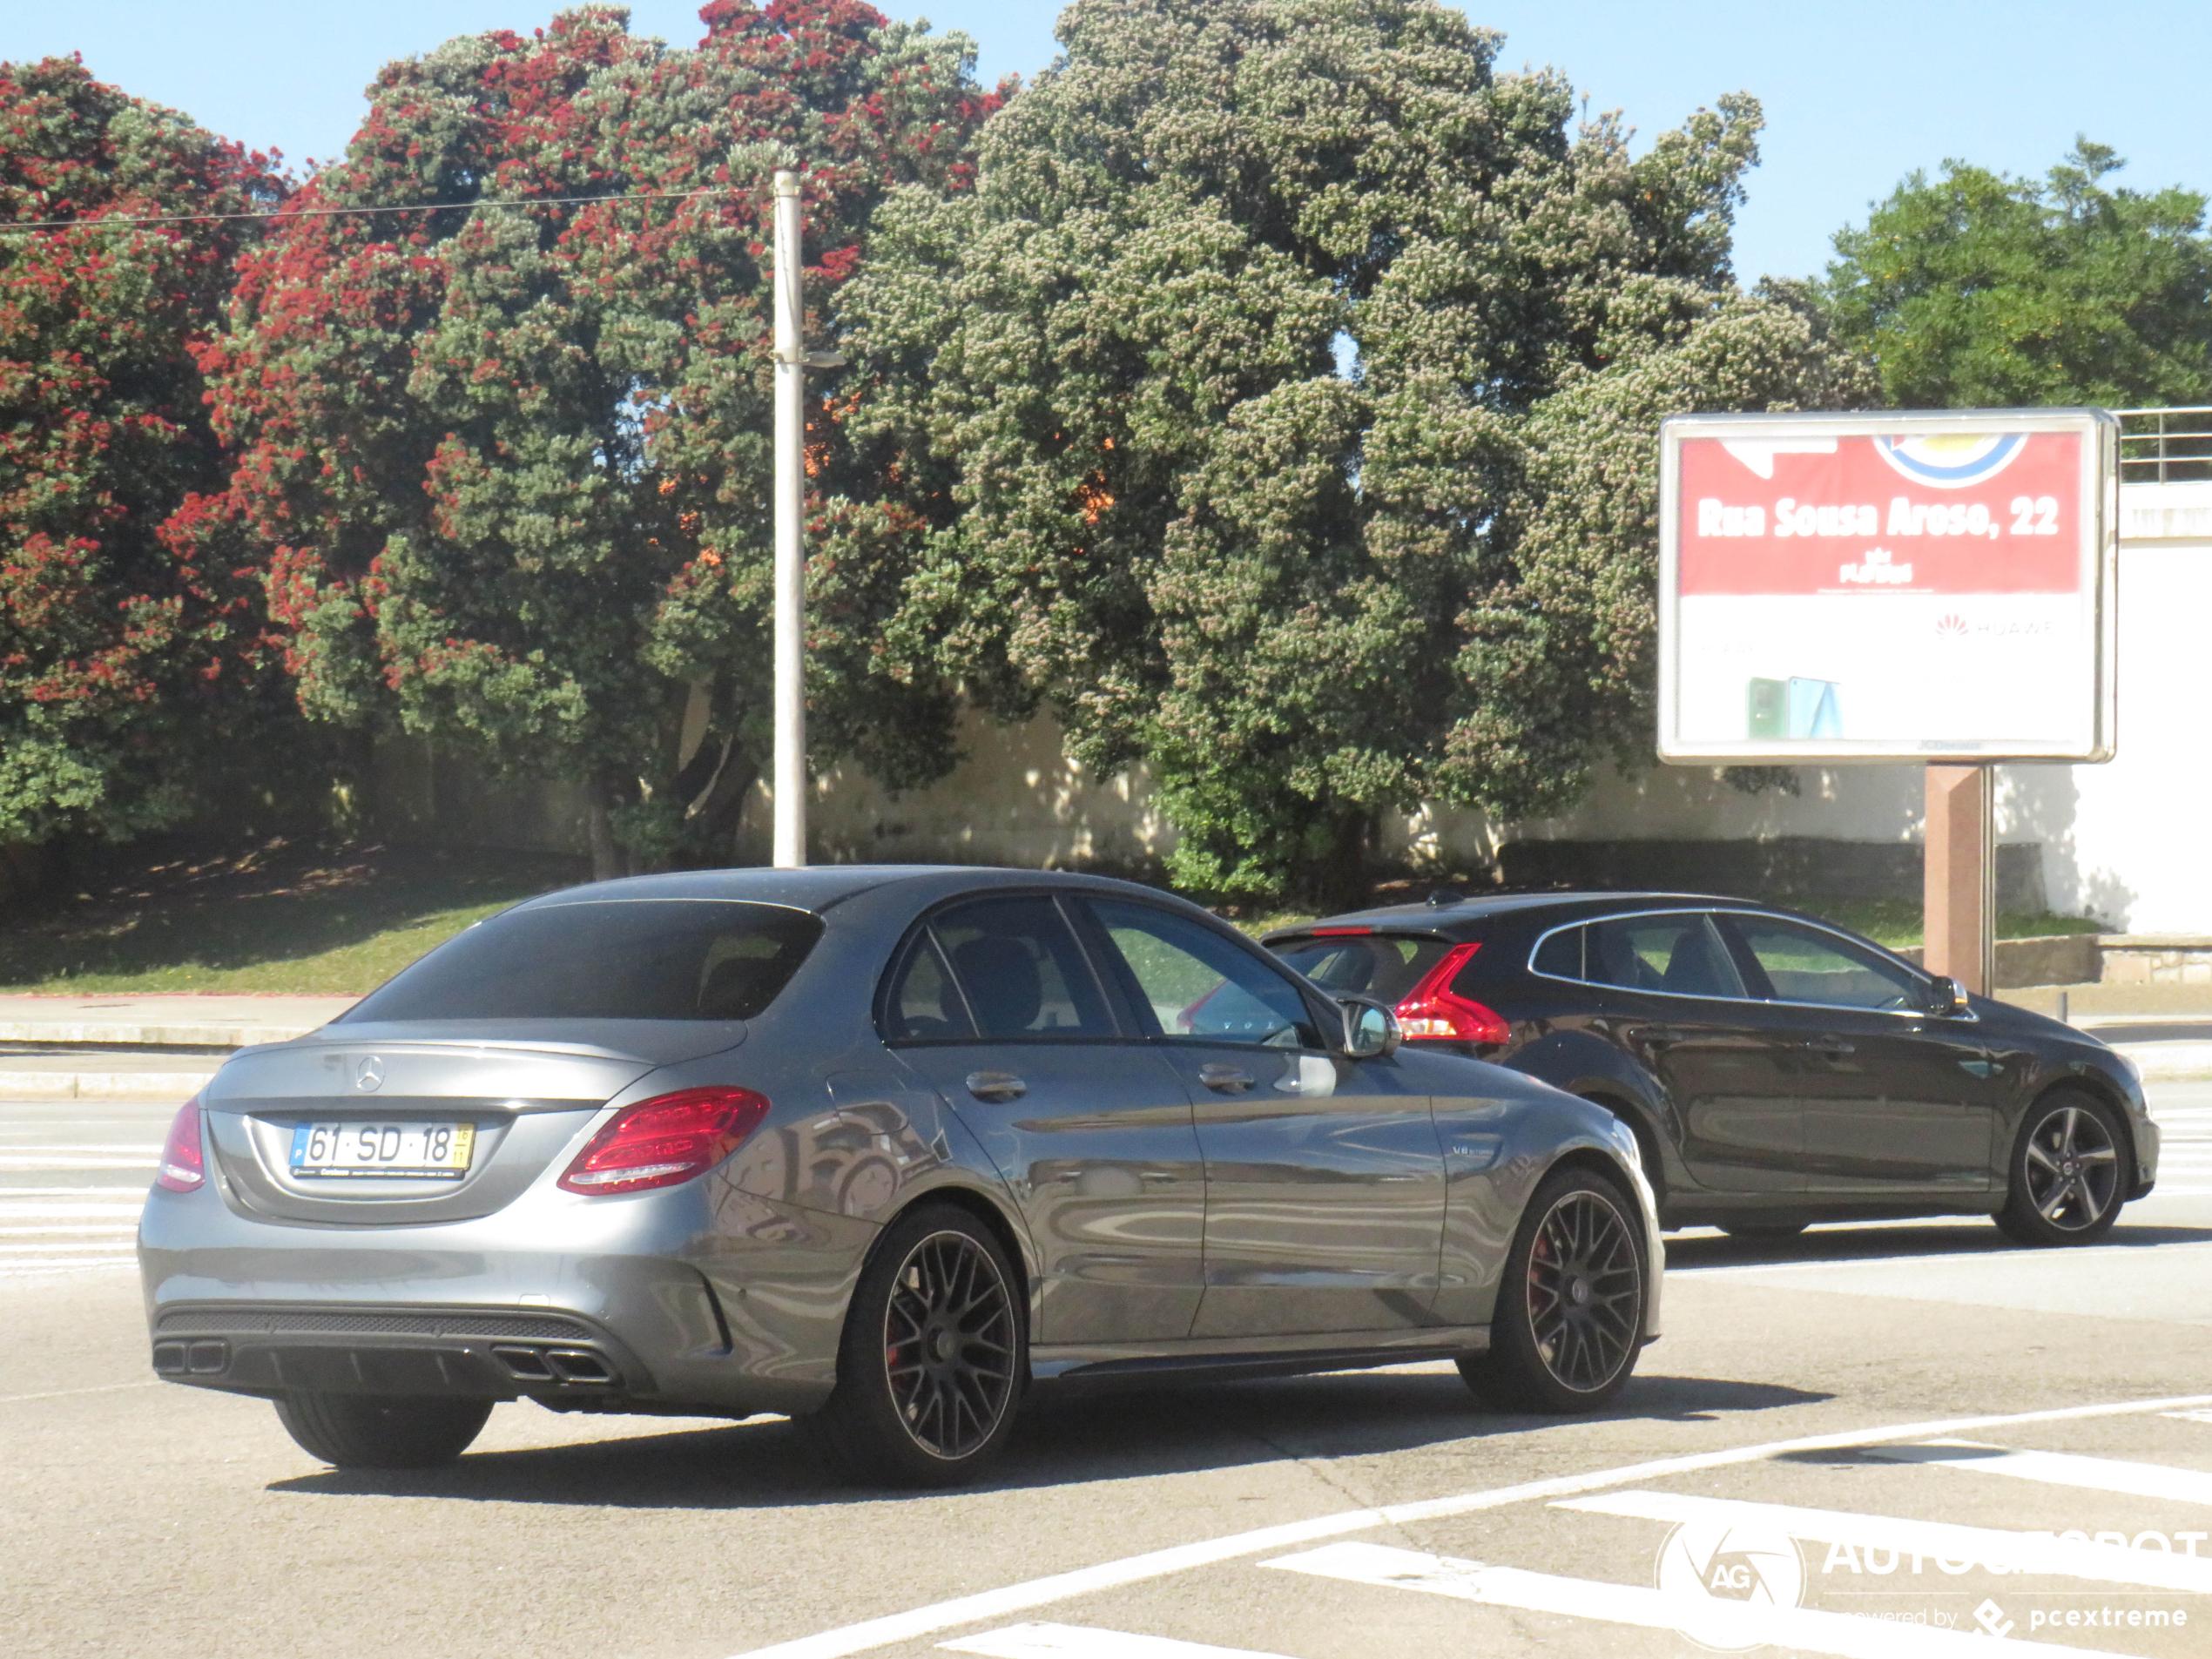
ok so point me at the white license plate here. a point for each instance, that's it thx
(417, 1151)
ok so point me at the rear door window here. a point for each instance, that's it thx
(1675, 955)
(613, 959)
(1021, 973)
(1384, 965)
(1561, 954)
(925, 1004)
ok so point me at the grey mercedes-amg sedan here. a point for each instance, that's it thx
(879, 1148)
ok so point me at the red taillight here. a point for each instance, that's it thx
(1431, 1010)
(668, 1139)
(1337, 932)
(183, 1161)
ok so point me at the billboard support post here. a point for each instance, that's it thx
(1959, 890)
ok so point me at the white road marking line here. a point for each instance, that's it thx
(2060, 1469)
(73, 1232)
(106, 1210)
(2009, 1255)
(131, 1191)
(2189, 1417)
(18, 1269)
(63, 1166)
(17, 1254)
(1078, 1641)
(1729, 1624)
(1131, 1570)
(69, 1394)
(1939, 1541)
(40, 1149)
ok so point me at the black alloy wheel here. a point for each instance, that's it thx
(1570, 1319)
(933, 1357)
(2066, 1176)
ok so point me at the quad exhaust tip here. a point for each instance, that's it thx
(555, 1365)
(191, 1359)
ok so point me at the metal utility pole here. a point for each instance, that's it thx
(789, 776)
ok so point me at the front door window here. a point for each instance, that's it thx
(1324, 1178)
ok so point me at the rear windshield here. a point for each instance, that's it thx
(1378, 964)
(639, 958)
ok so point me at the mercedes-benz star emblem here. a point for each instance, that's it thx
(368, 1074)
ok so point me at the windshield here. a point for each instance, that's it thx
(1378, 964)
(650, 959)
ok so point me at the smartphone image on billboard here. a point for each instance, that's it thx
(1769, 710)
(1813, 711)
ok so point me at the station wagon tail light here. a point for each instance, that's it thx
(665, 1141)
(1431, 1009)
(184, 1161)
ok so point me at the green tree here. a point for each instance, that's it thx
(1280, 409)
(507, 468)
(1977, 290)
(125, 662)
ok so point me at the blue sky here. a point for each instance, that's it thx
(1856, 95)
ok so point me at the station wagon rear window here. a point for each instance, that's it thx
(637, 959)
(1384, 965)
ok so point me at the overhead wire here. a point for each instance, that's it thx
(122, 221)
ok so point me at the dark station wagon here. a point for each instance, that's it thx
(1777, 1071)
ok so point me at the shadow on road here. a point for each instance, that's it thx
(1064, 1439)
(1857, 1243)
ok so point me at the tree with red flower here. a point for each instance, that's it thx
(504, 443)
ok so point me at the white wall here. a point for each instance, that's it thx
(2126, 841)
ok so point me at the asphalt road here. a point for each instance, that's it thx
(1873, 1440)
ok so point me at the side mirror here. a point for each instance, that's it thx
(1948, 998)
(1371, 1030)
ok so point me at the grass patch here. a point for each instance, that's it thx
(1896, 923)
(307, 917)
(286, 916)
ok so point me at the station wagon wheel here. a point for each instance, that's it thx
(1569, 1318)
(2065, 1181)
(934, 1354)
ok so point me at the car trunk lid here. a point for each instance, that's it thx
(514, 1098)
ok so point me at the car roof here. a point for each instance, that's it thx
(1427, 917)
(820, 886)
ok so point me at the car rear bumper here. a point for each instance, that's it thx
(694, 1302)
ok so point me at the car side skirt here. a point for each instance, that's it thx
(1268, 1356)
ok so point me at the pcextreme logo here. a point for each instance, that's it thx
(1714, 1565)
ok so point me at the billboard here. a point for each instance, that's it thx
(1887, 587)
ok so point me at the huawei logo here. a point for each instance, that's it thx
(1951, 626)
(368, 1074)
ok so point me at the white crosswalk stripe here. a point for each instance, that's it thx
(1991, 1548)
(1081, 1642)
(2059, 1468)
(1712, 1621)
(2185, 1150)
(81, 1193)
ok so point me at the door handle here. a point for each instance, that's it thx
(1226, 1080)
(1834, 1047)
(1657, 1036)
(995, 1085)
